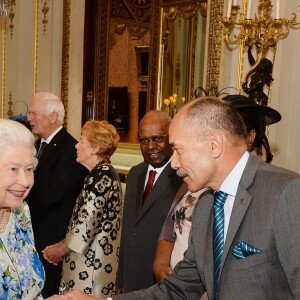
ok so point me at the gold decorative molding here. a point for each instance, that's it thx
(11, 15)
(45, 11)
(214, 46)
(192, 53)
(137, 31)
(135, 15)
(3, 60)
(10, 106)
(65, 56)
(154, 54)
(185, 12)
(36, 41)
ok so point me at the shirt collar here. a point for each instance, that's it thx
(158, 170)
(231, 183)
(48, 140)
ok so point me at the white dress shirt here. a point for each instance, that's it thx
(157, 170)
(50, 137)
(230, 186)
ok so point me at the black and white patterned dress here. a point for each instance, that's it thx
(94, 234)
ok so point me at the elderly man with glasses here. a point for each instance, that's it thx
(151, 188)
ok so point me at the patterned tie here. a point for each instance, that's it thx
(218, 234)
(41, 150)
(149, 185)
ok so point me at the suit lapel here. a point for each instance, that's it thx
(241, 204)
(140, 188)
(208, 261)
(52, 146)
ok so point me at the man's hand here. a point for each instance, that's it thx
(56, 297)
(79, 295)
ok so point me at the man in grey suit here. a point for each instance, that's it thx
(143, 218)
(260, 224)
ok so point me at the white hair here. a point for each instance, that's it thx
(12, 132)
(53, 104)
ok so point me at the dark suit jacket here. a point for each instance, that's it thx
(142, 225)
(58, 180)
(266, 216)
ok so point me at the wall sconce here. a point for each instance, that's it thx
(263, 31)
(171, 104)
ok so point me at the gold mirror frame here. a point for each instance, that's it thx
(183, 81)
(214, 10)
(102, 35)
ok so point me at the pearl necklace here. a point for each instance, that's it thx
(5, 217)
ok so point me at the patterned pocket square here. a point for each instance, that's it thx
(242, 250)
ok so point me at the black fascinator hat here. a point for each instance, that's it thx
(243, 103)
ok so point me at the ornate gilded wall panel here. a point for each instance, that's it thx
(154, 57)
(214, 46)
(65, 55)
(101, 59)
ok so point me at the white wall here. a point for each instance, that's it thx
(76, 67)
(32, 60)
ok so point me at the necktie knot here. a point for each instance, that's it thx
(219, 199)
(152, 174)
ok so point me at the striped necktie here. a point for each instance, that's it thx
(218, 234)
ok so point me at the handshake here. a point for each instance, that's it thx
(74, 295)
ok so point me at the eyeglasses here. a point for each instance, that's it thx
(155, 139)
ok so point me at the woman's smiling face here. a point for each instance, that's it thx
(16, 174)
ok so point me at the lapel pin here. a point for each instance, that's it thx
(242, 201)
(54, 145)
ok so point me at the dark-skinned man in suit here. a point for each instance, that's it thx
(143, 219)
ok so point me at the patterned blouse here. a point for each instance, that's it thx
(182, 217)
(94, 235)
(21, 272)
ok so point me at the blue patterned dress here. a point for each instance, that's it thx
(21, 271)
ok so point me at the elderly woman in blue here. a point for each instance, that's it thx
(21, 272)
